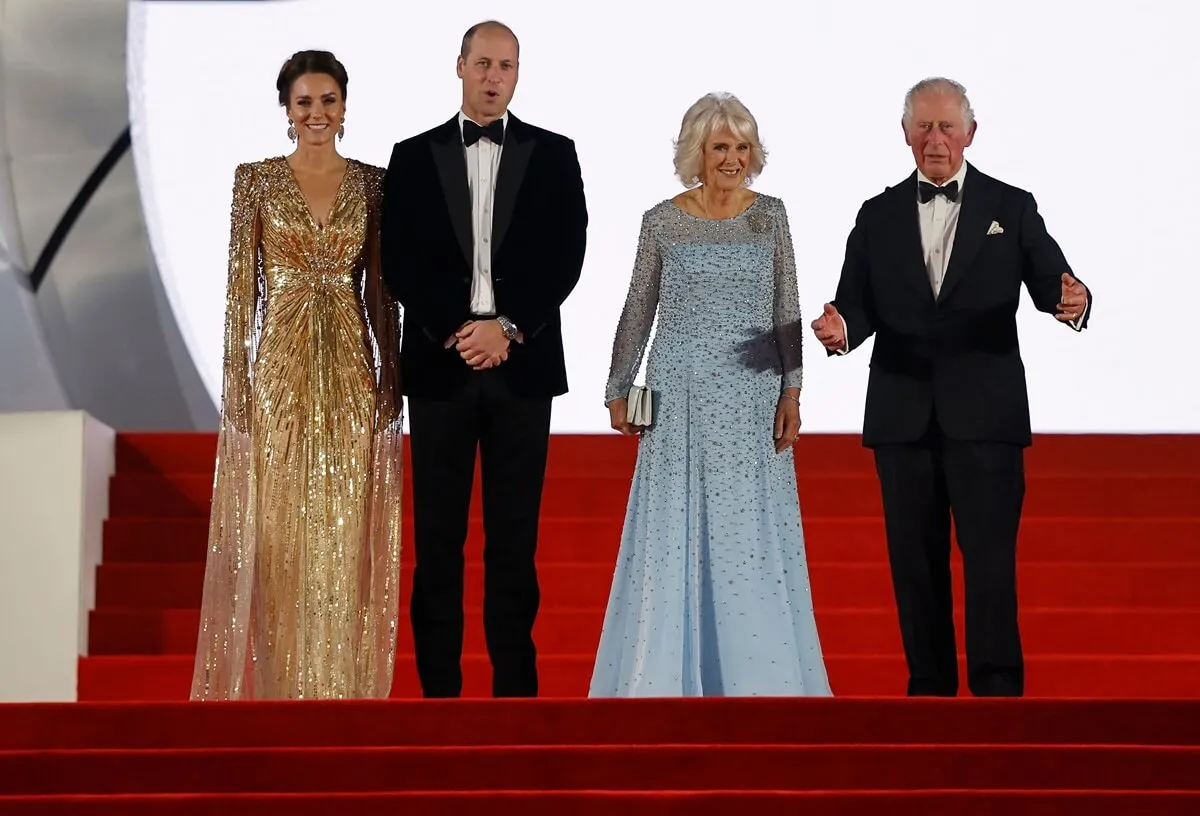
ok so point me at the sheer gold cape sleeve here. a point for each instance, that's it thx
(224, 651)
(384, 519)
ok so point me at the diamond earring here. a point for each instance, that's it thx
(342, 131)
(291, 130)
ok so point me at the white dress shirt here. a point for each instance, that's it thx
(939, 224)
(938, 218)
(483, 164)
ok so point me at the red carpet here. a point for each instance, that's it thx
(1110, 591)
(635, 757)
(1109, 578)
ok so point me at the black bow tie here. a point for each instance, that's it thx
(926, 191)
(472, 132)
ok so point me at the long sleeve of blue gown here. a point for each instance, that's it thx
(637, 318)
(789, 332)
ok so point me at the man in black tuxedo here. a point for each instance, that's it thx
(484, 227)
(933, 270)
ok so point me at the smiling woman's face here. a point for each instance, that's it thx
(317, 108)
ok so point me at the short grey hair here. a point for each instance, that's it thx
(938, 85)
(711, 113)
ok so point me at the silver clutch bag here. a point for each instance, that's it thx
(640, 408)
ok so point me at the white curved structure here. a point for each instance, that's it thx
(97, 335)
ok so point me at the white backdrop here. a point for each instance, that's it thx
(1090, 107)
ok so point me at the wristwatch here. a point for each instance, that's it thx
(507, 326)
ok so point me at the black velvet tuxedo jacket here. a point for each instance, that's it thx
(954, 358)
(539, 235)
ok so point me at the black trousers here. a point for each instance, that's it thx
(983, 485)
(511, 435)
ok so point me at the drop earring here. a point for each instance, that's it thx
(291, 130)
(342, 131)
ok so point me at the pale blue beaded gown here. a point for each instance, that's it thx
(710, 595)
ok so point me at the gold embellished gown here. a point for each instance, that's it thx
(301, 583)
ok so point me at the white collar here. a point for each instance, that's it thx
(959, 176)
(462, 117)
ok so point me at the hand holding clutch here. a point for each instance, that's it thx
(640, 410)
(631, 414)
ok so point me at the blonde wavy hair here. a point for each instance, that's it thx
(711, 113)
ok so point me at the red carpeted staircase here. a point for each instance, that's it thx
(595, 758)
(1110, 593)
(1109, 576)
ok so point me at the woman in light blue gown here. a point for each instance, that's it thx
(710, 596)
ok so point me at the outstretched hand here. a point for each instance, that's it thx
(1073, 300)
(829, 329)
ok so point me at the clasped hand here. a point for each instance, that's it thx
(480, 343)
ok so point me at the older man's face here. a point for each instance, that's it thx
(937, 135)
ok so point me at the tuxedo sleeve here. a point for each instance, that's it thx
(854, 301)
(406, 263)
(1043, 265)
(562, 250)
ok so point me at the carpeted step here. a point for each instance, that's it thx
(824, 495)
(710, 720)
(781, 767)
(834, 585)
(845, 631)
(130, 677)
(851, 538)
(1052, 453)
(627, 803)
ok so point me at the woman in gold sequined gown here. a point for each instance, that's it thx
(300, 588)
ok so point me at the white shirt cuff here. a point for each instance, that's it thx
(1077, 323)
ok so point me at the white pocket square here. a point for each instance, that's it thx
(995, 229)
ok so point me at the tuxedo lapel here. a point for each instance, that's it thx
(518, 145)
(906, 223)
(979, 199)
(451, 166)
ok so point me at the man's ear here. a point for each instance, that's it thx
(971, 133)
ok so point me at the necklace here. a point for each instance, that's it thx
(704, 204)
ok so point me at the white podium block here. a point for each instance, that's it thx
(54, 474)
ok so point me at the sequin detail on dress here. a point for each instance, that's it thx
(710, 594)
(301, 587)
